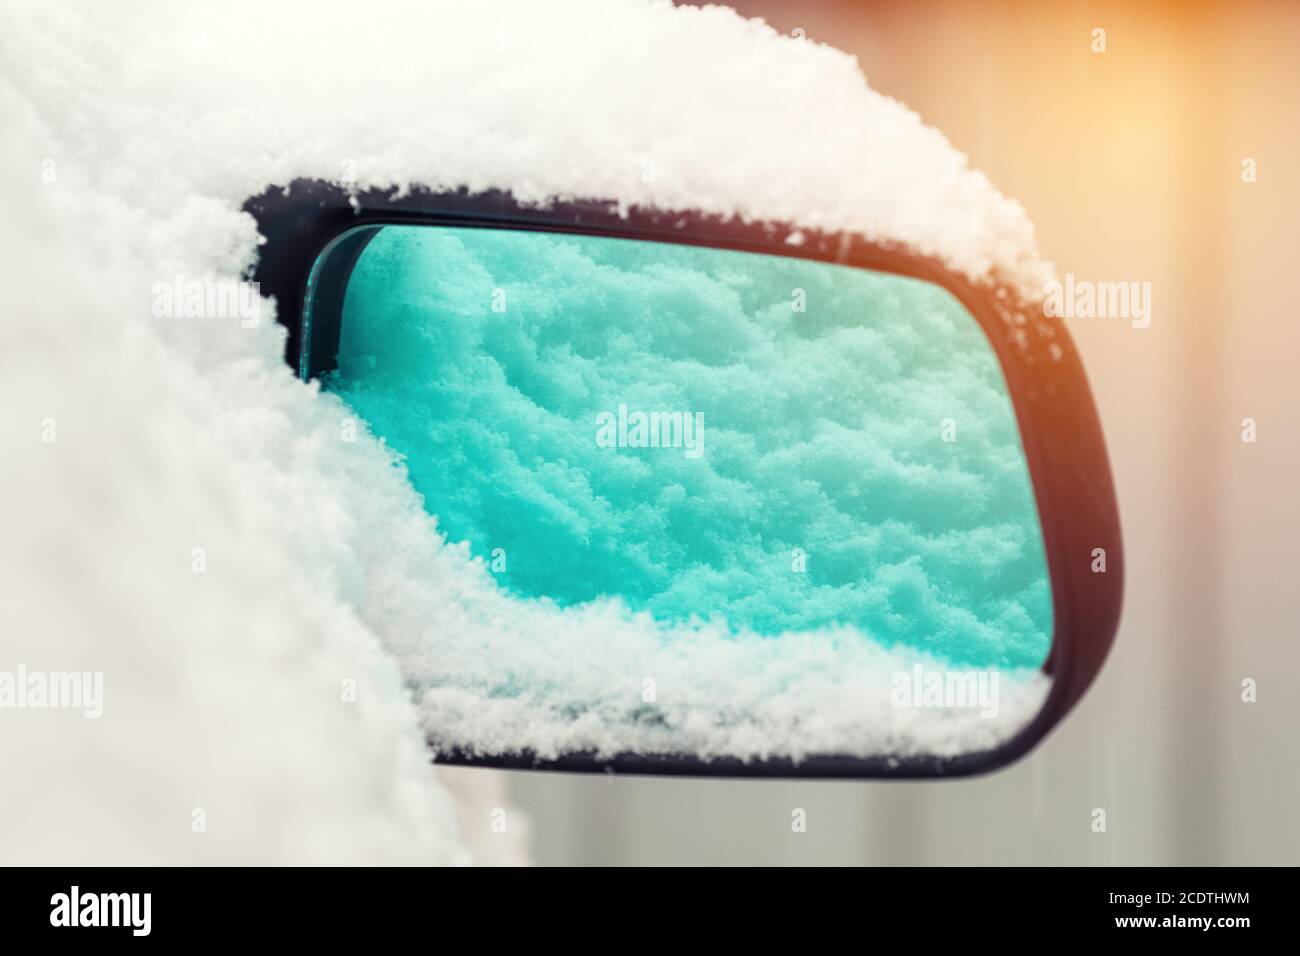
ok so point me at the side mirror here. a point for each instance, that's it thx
(735, 499)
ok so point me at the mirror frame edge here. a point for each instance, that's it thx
(1057, 417)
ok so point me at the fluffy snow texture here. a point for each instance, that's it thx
(817, 434)
(132, 134)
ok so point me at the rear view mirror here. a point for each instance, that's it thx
(728, 499)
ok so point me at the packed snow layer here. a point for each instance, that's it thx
(131, 443)
(810, 485)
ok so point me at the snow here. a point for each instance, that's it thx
(133, 132)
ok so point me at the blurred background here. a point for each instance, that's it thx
(1130, 161)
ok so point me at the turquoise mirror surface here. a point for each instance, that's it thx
(780, 444)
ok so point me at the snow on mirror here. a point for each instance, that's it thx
(697, 501)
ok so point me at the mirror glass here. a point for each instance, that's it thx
(695, 501)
